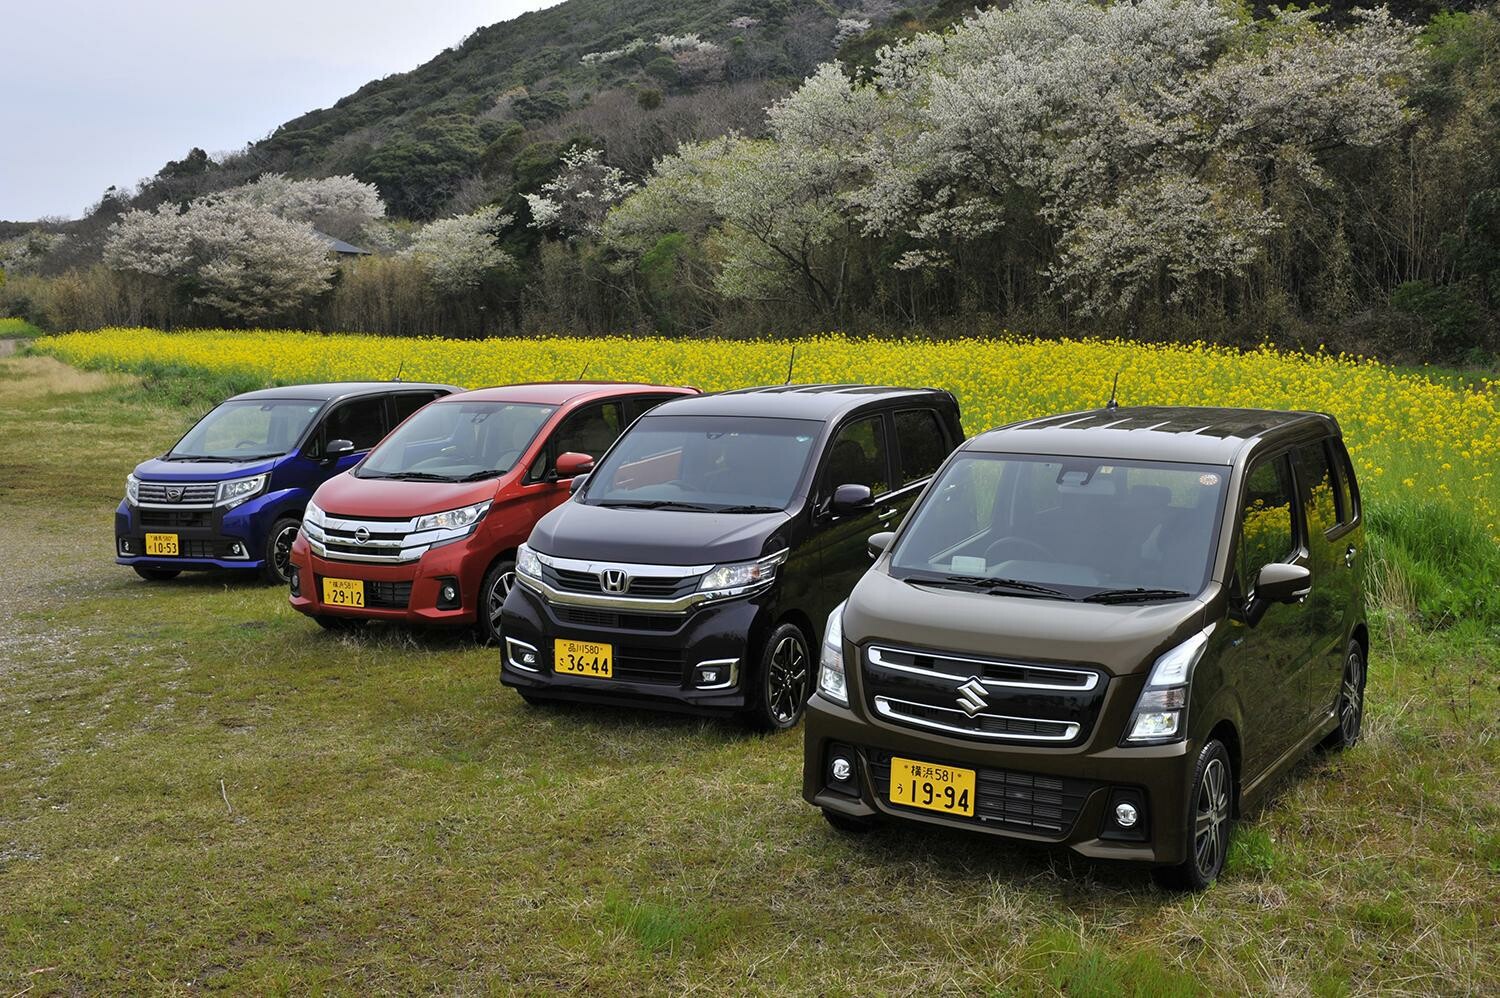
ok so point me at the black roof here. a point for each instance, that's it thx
(1192, 434)
(822, 402)
(328, 391)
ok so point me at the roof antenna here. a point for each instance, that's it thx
(586, 365)
(399, 369)
(1114, 401)
(789, 365)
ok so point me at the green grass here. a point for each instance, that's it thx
(199, 789)
(12, 328)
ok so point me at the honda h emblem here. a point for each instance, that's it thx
(614, 580)
(174, 495)
(971, 696)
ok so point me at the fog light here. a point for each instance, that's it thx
(125, 545)
(448, 595)
(1125, 815)
(841, 769)
(528, 658)
(716, 675)
(237, 550)
(294, 579)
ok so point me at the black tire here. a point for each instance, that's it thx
(338, 625)
(849, 825)
(498, 582)
(277, 556)
(1209, 822)
(156, 574)
(783, 681)
(1350, 707)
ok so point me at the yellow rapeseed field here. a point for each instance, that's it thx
(1411, 437)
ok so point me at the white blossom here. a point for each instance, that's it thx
(578, 198)
(458, 252)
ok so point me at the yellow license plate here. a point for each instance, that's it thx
(162, 545)
(932, 786)
(583, 658)
(344, 592)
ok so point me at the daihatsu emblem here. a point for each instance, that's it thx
(174, 494)
(361, 534)
(971, 696)
(614, 580)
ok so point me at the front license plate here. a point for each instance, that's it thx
(583, 658)
(344, 592)
(162, 545)
(932, 786)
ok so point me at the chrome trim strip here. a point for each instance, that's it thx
(637, 603)
(595, 567)
(511, 659)
(734, 673)
(884, 709)
(174, 505)
(876, 659)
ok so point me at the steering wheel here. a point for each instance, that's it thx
(246, 445)
(683, 485)
(1023, 542)
(508, 459)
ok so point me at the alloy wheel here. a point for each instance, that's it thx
(1351, 699)
(786, 679)
(500, 589)
(281, 551)
(1211, 823)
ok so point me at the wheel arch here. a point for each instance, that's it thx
(1228, 735)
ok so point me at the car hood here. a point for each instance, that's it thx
(1120, 639)
(157, 470)
(657, 536)
(382, 498)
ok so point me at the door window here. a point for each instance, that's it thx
(922, 443)
(638, 405)
(409, 403)
(591, 430)
(1320, 497)
(859, 456)
(1348, 488)
(1266, 526)
(361, 420)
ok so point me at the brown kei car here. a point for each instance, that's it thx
(1108, 630)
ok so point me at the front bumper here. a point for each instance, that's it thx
(207, 538)
(1072, 789)
(407, 592)
(655, 655)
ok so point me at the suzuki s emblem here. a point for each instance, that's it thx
(614, 580)
(361, 534)
(971, 696)
(174, 495)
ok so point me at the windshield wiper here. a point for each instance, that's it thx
(747, 509)
(410, 476)
(697, 507)
(989, 586)
(222, 458)
(479, 475)
(1139, 594)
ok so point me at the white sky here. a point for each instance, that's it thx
(99, 92)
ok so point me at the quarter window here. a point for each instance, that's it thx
(1320, 496)
(1348, 487)
(409, 403)
(1266, 528)
(859, 456)
(922, 443)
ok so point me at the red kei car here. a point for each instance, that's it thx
(425, 528)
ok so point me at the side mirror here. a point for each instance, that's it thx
(337, 449)
(851, 500)
(572, 464)
(878, 543)
(577, 483)
(1279, 582)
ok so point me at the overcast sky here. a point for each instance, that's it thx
(99, 92)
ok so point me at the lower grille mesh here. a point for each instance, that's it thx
(1045, 805)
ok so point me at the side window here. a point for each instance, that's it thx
(638, 405)
(859, 456)
(1320, 497)
(361, 420)
(590, 430)
(405, 405)
(1266, 529)
(1348, 487)
(922, 443)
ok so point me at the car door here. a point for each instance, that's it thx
(590, 429)
(1265, 660)
(1318, 492)
(923, 442)
(364, 421)
(858, 453)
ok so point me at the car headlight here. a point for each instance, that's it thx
(313, 514)
(132, 490)
(1161, 710)
(736, 579)
(234, 492)
(453, 519)
(832, 682)
(528, 564)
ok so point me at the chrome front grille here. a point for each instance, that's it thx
(177, 494)
(618, 586)
(340, 538)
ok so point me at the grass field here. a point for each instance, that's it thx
(199, 789)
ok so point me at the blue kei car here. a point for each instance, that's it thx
(231, 492)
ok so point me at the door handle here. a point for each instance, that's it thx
(886, 514)
(1349, 556)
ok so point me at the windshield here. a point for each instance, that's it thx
(718, 464)
(246, 429)
(457, 441)
(1076, 528)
